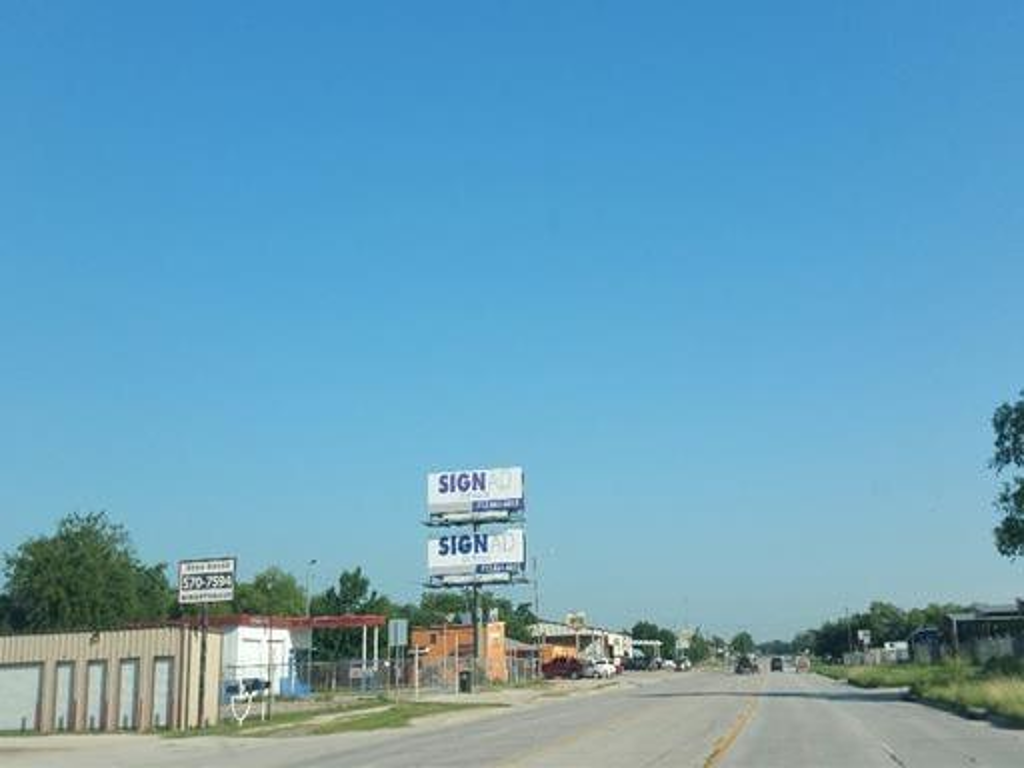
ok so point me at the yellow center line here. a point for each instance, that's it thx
(723, 745)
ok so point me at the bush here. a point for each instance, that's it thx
(1008, 666)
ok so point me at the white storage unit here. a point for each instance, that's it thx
(19, 705)
(261, 652)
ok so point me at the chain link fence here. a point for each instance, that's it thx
(299, 679)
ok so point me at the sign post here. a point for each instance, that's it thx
(201, 582)
(466, 500)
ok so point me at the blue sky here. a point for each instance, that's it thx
(739, 287)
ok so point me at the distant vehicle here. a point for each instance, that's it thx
(668, 664)
(746, 665)
(563, 666)
(683, 664)
(638, 663)
(777, 664)
(599, 668)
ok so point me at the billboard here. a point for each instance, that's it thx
(475, 554)
(476, 493)
(206, 581)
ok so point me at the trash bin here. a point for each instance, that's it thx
(465, 681)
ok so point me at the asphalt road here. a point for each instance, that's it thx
(701, 719)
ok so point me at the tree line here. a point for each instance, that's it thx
(88, 576)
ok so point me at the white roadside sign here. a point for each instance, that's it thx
(206, 581)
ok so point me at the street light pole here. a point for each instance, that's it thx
(309, 619)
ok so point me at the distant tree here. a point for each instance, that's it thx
(85, 576)
(272, 592)
(517, 625)
(700, 648)
(5, 613)
(436, 607)
(832, 639)
(775, 648)
(742, 642)
(517, 619)
(1008, 424)
(646, 630)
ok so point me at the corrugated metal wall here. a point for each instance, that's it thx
(179, 700)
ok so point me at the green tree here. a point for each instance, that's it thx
(1008, 424)
(435, 607)
(85, 576)
(272, 592)
(646, 630)
(700, 648)
(742, 642)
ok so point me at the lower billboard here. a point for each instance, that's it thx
(477, 554)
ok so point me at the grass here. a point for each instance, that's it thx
(396, 716)
(253, 726)
(998, 688)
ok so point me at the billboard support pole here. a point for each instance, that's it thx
(476, 625)
(204, 622)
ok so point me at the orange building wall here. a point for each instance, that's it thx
(441, 641)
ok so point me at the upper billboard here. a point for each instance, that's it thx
(476, 493)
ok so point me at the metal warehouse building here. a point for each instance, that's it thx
(129, 679)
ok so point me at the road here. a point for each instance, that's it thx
(701, 719)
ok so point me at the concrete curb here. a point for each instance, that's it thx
(968, 713)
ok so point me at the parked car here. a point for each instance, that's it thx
(683, 664)
(563, 666)
(599, 668)
(777, 664)
(668, 664)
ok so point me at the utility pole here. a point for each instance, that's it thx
(309, 619)
(849, 632)
(536, 590)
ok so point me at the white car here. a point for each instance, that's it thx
(669, 665)
(599, 668)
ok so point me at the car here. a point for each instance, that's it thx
(599, 668)
(669, 665)
(562, 666)
(777, 664)
(683, 664)
(746, 665)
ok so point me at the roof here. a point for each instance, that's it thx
(333, 621)
(988, 612)
(519, 646)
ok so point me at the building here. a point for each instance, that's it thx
(276, 648)
(580, 640)
(114, 680)
(985, 632)
(448, 648)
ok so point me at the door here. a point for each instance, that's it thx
(63, 699)
(19, 704)
(128, 695)
(163, 674)
(96, 696)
